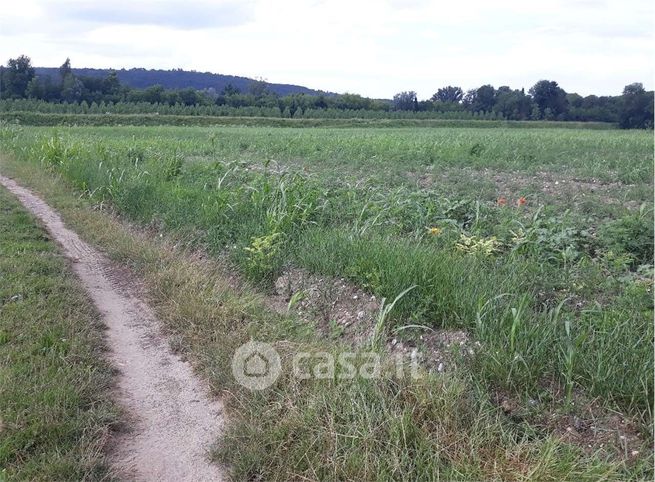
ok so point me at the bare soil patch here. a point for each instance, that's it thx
(346, 312)
(586, 424)
(341, 309)
(439, 349)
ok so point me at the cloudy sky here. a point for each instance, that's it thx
(372, 47)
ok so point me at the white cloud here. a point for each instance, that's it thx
(373, 47)
(168, 13)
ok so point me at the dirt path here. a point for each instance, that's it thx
(174, 419)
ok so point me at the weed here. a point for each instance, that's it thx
(477, 245)
(377, 338)
(172, 167)
(355, 203)
(262, 254)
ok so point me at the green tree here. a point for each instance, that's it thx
(481, 99)
(35, 89)
(548, 95)
(636, 108)
(258, 88)
(574, 100)
(352, 101)
(512, 104)
(154, 94)
(449, 94)
(111, 85)
(405, 100)
(320, 102)
(72, 89)
(16, 77)
(229, 90)
(65, 70)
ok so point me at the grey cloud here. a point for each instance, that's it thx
(179, 15)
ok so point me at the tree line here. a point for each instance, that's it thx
(546, 100)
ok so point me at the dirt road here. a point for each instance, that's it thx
(173, 419)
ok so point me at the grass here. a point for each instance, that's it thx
(559, 299)
(376, 235)
(437, 427)
(56, 415)
(392, 152)
(145, 119)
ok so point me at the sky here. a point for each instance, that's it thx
(374, 48)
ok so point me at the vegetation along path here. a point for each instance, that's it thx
(175, 420)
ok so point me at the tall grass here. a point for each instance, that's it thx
(264, 216)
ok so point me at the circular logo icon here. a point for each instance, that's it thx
(256, 365)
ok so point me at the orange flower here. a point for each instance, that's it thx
(521, 201)
(502, 201)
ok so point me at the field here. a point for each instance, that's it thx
(36, 118)
(521, 261)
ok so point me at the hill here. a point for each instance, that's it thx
(181, 79)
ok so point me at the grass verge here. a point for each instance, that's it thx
(55, 413)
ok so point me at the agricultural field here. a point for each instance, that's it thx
(519, 263)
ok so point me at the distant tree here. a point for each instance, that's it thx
(481, 99)
(72, 89)
(188, 97)
(35, 89)
(548, 95)
(405, 100)
(512, 104)
(381, 104)
(16, 77)
(229, 90)
(469, 98)
(210, 93)
(425, 105)
(636, 107)
(352, 102)
(320, 102)
(65, 70)
(448, 94)
(154, 94)
(111, 84)
(574, 100)
(258, 88)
